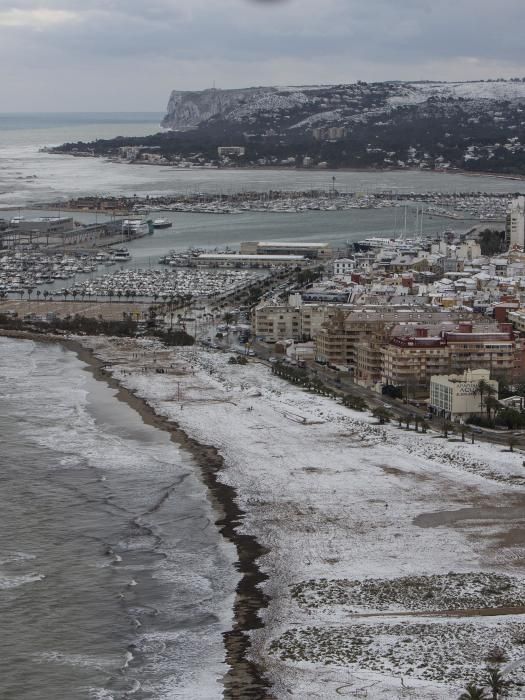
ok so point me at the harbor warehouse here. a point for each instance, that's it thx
(315, 251)
(457, 395)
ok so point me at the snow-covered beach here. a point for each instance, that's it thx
(394, 559)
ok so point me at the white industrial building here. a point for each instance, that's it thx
(457, 396)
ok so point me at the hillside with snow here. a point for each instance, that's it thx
(328, 104)
(475, 126)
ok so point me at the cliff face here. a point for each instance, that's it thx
(303, 108)
(188, 109)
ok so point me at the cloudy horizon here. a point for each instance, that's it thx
(118, 55)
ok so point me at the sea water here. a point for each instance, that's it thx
(114, 581)
(30, 176)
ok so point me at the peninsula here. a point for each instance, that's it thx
(474, 126)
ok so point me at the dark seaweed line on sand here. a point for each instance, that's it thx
(244, 680)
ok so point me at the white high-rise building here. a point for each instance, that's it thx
(515, 230)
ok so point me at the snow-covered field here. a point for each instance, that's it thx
(385, 547)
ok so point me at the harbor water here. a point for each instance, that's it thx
(114, 582)
(29, 176)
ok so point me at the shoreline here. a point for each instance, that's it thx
(314, 168)
(244, 679)
(344, 505)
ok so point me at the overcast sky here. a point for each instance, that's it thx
(111, 55)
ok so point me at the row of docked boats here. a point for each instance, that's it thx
(20, 272)
(162, 284)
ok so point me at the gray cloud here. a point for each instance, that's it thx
(114, 54)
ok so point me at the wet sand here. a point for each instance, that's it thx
(245, 679)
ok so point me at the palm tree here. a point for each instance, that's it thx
(66, 294)
(496, 682)
(29, 292)
(492, 405)
(447, 427)
(473, 692)
(482, 388)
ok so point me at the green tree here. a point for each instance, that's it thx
(492, 406)
(473, 692)
(496, 682)
(382, 415)
(447, 427)
(482, 388)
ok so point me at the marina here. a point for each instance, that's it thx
(460, 206)
(33, 275)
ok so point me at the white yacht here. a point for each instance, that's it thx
(162, 223)
(135, 227)
(121, 254)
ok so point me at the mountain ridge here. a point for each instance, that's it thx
(476, 126)
(190, 109)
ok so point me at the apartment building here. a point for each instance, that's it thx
(274, 322)
(370, 327)
(293, 321)
(493, 350)
(344, 266)
(338, 340)
(409, 361)
(515, 227)
(412, 360)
